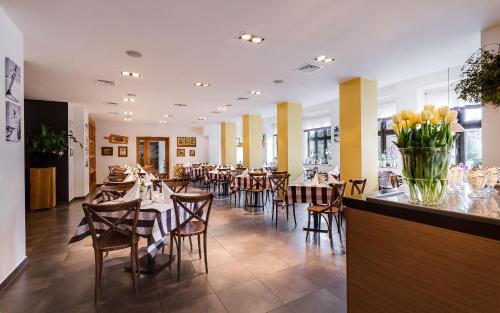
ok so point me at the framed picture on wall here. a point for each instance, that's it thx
(122, 151)
(192, 153)
(107, 151)
(12, 81)
(12, 121)
(186, 141)
(181, 152)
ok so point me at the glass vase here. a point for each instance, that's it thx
(425, 171)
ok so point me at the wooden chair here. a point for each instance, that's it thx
(196, 223)
(330, 211)
(117, 177)
(257, 186)
(177, 185)
(279, 184)
(233, 190)
(357, 185)
(112, 191)
(222, 180)
(116, 237)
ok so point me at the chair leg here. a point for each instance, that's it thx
(205, 250)
(98, 274)
(294, 217)
(171, 250)
(133, 266)
(339, 226)
(286, 213)
(190, 243)
(199, 247)
(179, 246)
(308, 224)
(276, 206)
(272, 211)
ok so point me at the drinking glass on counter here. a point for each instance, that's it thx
(491, 180)
(476, 180)
(455, 179)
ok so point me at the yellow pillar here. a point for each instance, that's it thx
(228, 143)
(358, 131)
(290, 138)
(252, 141)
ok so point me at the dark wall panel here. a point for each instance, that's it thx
(54, 115)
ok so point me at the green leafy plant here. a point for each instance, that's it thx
(480, 78)
(50, 141)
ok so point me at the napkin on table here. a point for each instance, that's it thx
(299, 179)
(331, 179)
(315, 180)
(167, 192)
(132, 194)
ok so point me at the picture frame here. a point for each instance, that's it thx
(107, 151)
(181, 152)
(186, 141)
(122, 151)
(192, 153)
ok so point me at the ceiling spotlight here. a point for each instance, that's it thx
(198, 84)
(180, 104)
(127, 119)
(222, 109)
(162, 121)
(255, 92)
(250, 38)
(201, 118)
(324, 59)
(130, 74)
(128, 113)
(168, 115)
(125, 99)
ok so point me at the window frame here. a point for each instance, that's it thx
(324, 138)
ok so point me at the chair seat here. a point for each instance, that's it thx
(255, 190)
(322, 208)
(113, 241)
(191, 228)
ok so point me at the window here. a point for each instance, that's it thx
(319, 144)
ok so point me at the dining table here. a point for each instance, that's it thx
(155, 221)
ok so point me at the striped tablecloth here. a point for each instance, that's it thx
(196, 172)
(308, 193)
(155, 221)
(244, 182)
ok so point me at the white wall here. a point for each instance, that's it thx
(12, 214)
(214, 143)
(133, 130)
(490, 124)
(78, 174)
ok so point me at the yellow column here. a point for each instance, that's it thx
(358, 131)
(290, 134)
(228, 143)
(252, 141)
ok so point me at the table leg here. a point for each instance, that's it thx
(152, 265)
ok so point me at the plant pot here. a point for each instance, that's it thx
(42, 188)
(425, 171)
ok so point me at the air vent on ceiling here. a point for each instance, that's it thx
(215, 112)
(242, 99)
(106, 83)
(114, 113)
(308, 68)
(180, 104)
(110, 103)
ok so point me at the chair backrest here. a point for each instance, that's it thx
(130, 211)
(200, 211)
(224, 174)
(115, 190)
(337, 194)
(357, 185)
(177, 185)
(279, 173)
(279, 183)
(117, 177)
(130, 184)
(258, 181)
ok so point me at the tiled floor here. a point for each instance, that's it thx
(253, 267)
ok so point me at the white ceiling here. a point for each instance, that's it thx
(70, 44)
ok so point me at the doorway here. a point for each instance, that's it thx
(154, 152)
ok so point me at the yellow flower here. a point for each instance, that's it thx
(452, 116)
(395, 128)
(443, 111)
(407, 114)
(396, 118)
(416, 119)
(425, 115)
(429, 107)
(435, 119)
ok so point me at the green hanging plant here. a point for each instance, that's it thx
(480, 78)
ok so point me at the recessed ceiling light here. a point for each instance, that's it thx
(324, 59)
(168, 115)
(180, 104)
(127, 113)
(131, 74)
(201, 118)
(222, 109)
(125, 99)
(255, 92)
(250, 38)
(133, 53)
(199, 84)
(127, 119)
(242, 99)
(162, 122)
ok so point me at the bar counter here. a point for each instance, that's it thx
(403, 257)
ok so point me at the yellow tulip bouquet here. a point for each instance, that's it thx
(425, 141)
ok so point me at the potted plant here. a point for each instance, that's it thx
(425, 141)
(480, 78)
(44, 149)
